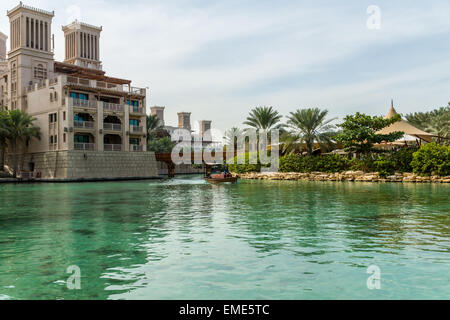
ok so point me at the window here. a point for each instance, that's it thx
(52, 117)
(13, 71)
(55, 139)
(64, 137)
(40, 72)
(64, 115)
(80, 96)
(81, 139)
(51, 139)
(134, 122)
(133, 103)
(134, 141)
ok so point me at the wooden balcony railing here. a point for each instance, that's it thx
(84, 146)
(134, 109)
(112, 126)
(83, 124)
(136, 148)
(112, 147)
(84, 103)
(112, 107)
(137, 129)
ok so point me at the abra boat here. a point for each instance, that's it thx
(220, 178)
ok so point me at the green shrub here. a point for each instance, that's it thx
(394, 161)
(366, 164)
(291, 163)
(325, 163)
(245, 167)
(432, 159)
(402, 158)
(384, 166)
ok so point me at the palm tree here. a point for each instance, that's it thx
(309, 125)
(18, 126)
(153, 125)
(232, 135)
(3, 141)
(263, 118)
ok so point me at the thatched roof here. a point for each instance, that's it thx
(405, 127)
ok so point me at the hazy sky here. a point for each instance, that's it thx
(218, 59)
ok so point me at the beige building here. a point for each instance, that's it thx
(95, 123)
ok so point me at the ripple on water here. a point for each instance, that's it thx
(185, 239)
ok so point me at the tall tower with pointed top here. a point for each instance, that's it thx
(82, 45)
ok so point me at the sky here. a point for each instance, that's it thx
(220, 59)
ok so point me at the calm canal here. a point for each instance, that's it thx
(186, 239)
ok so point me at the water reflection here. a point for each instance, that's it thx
(184, 238)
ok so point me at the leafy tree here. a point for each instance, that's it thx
(359, 132)
(310, 125)
(18, 126)
(164, 145)
(436, 121)
(264, 118)
(432, 159)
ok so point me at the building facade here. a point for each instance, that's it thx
(77, 106)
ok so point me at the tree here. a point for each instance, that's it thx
(17, 126)
(310, 125)
(359, 132)
(153, 126)
(164, 145)
(263, 118)
(436, 121)
(232, 136)
(3, 140)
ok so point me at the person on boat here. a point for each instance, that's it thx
(226, 172)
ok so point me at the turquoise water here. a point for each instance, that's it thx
(185, 239)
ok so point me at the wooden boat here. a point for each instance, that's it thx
(220, 178)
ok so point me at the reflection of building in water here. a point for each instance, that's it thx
(92, 125)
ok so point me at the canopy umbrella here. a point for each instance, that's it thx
(403, 126)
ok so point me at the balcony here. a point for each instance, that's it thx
(84, 146)
(90, 104)
(136, 130)
(113, 107)
(112, 126)
(136, 148)
(104, 85)
(137, 110)
(84, 124)
(112, 147)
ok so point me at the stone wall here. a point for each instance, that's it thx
(343, 176)
(179, 169)
(76, 165)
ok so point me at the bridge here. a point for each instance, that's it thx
(167, 159)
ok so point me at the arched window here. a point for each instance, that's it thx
(13, 71)
(40, 72)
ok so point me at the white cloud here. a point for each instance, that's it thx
(218, 59)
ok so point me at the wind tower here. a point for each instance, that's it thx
(82, 44)
(30, 59)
